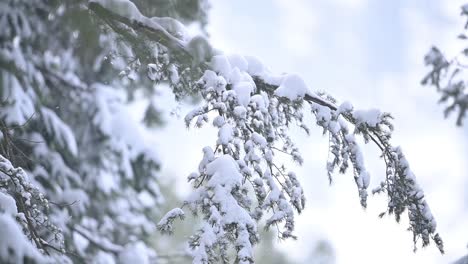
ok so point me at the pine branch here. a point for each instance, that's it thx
(400, 185)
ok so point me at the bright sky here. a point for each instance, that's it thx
(371, 54)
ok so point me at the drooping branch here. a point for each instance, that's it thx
(257, 109)
(14, 182)
(132, 30)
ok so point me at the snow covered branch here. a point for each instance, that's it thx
(67, 126)
(23, 205)
(79, 148)
(126, 19)
(240, 181)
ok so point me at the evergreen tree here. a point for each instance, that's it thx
(64, 120)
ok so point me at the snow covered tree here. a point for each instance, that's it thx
(447, 75)
(88, 184)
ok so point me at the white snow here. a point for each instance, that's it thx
(136, 252)
(153, 72)
(259, 139)
(209, 78)
(224, 178)
(334, 127)
(322, 113)
(234, 76)
(123, 8)
(176, 212)
(240, 111)
(20, 105)
(292, 87)
(80, 242)
(345, 107)
(106, 181)
(364, 179)
(218, 121)
(7, 204)
(165, 224)
(103, 258)
(370, 117)
(60, 130)
(174, 74)
(172, 26)
(260, 101)
(225, 134)
(243, 91)
(224, 171)
(221, 64)
(17, 246)
(255, 66)
(238, 61)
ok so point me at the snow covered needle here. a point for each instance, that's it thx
(165, 224)
(23, 208)
(240, 181)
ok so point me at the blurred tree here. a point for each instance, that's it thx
(448, 76)
(64, 120)
(266, 251)
(323, 253)
(173, 246)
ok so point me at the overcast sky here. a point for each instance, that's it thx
(371, 54)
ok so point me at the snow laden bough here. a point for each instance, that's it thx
(239, 182)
